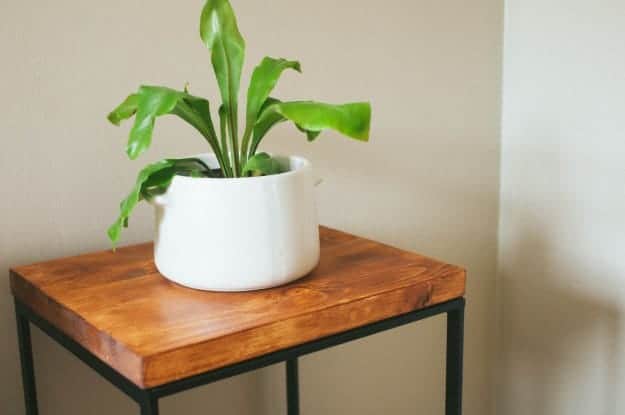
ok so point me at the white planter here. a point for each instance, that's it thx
(238, 234)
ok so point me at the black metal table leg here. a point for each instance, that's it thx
(292, 387)
(453, 379)
(148, 404)
(148, 398)
(26, 360)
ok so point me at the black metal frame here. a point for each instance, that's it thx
(148, 398)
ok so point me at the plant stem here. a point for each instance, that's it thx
(211, 137)
(205, 127)
(253, 148)
(232, 123)
(218, 154)
(245, 143)
(223, 121)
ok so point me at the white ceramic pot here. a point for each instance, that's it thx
(238, 234)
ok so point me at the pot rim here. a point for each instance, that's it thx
(212, 160)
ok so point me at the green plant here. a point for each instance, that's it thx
(237, 156)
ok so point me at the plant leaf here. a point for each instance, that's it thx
(125, 110)
(263, 81)
(151, 102)
(262, 164)
(310, 135)
(220, 33)
(352, 120)
(266, 120)
(152, 180)
(223, 130)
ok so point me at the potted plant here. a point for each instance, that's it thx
(234, 219)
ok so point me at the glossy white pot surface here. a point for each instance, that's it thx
(238, 234)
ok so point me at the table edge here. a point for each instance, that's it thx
(109, 350)
(152, 378)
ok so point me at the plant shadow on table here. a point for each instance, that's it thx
(561, 327)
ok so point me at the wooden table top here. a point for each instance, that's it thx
(152, 331)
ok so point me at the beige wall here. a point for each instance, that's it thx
(428, 180)
(562, 201)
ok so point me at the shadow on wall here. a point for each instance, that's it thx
(557, 330)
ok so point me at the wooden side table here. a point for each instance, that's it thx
(152, 338)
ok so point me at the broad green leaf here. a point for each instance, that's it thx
(263, 81)
(312, 118)
(219, 31)
(351, 119)
(151, 102)
(194, 110)
(266, 120)
(152, 180)
(310, 135)
(125, 110)
(262, 164)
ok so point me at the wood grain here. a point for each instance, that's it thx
(153, 331)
